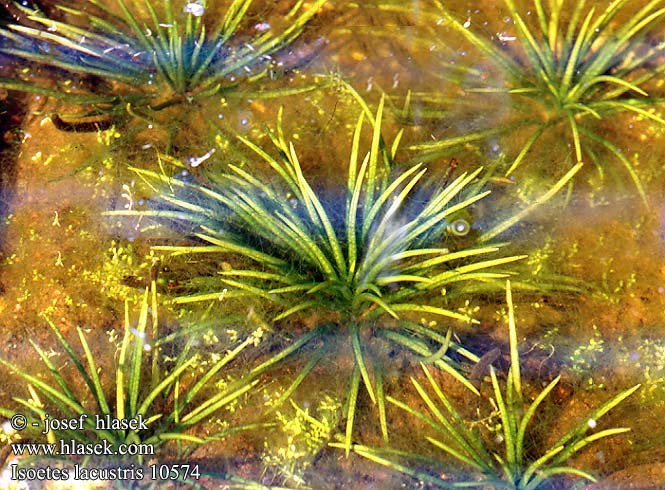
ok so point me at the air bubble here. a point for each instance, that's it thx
(195, 8)
(460, 227)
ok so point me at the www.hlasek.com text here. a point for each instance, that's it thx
(72, 447)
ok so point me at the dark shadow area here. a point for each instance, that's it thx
(12, 112)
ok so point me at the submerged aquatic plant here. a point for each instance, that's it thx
(144, 65)
(157, 400)
(362, 264)
(577, 66)
(512, 468)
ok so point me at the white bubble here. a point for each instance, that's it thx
(7, 428)
(195, 8)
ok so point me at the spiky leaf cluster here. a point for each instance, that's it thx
(165, 56)
(167, 413)
(578, 64)
(511, 467)
(376, 251)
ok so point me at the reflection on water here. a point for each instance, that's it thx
(302, 179)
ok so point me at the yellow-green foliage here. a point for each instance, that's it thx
(585, 358)
(649, 359)
(301, 434)
(121, 271)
